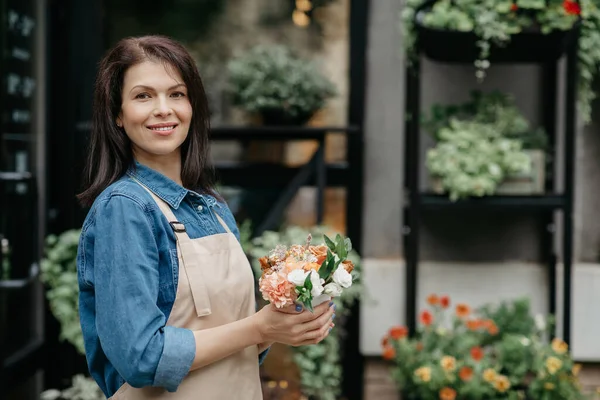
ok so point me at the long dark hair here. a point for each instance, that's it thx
(110, 153)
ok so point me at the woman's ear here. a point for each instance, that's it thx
(119, 122)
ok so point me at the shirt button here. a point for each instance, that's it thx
(200, 208)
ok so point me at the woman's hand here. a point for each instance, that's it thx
(295, 327)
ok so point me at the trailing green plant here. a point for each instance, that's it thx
(82, 388)
(319, 365)
(273, 80)
(495, 22)
(59, 274)
(479, 144)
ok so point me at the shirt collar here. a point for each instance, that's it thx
(165, 188)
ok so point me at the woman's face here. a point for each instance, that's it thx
(155, 111)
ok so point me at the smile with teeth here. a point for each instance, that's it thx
(163, 128)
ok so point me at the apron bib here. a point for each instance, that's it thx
(216, 287)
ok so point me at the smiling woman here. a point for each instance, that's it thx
(166, 293)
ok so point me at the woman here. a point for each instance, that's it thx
(166, 293)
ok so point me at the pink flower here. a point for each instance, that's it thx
(277, 290)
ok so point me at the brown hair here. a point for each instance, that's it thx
(110, 153)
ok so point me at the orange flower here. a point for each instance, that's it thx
(312, 266)
(466, 373)
(447, 394)
(398, 332)
(426, 318)
(388, 353)
(514, 7)
(474, 324)
(276, 289)
(491, 327)
(477, 353)
(448, 363)
(320, 252)
(264, 264)
(433, 300)
(463, 310)
(385, 341)
(445, 301)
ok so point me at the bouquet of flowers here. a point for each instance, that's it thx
(307, 274)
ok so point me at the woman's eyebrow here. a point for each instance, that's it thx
(151, 88)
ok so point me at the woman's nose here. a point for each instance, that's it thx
(162, 107)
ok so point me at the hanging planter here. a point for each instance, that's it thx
(484, 32)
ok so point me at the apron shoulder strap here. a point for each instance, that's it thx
(177, 226)
(222, 222)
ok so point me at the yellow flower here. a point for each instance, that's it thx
(559, 346)
(575, 370)
(448, 363)
(489, 375)
(501, 383)
(553, 364)
(549, 386)
(423, 373)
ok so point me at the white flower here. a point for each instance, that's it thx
(297, 277)
(525, 341)
(333, 289)
(540, 322)
(317, 283)
(342, 277)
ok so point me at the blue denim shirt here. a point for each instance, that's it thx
(127, 274)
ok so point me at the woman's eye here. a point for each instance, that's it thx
(142, 96)
(178, 94)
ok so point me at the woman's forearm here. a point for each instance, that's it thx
(217, 343)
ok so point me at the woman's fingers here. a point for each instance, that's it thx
(317, 323)
(319, 335)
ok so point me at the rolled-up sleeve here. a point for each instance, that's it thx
(131, 328)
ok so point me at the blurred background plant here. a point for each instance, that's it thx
(277, 85)
(496, 352)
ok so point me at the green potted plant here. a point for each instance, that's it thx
(278, 86)
(483, 31)
(493, 353)
(485, 146)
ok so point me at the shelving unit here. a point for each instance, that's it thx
(523, 49)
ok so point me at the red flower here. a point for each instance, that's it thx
(388, 353)
(572, 7)
(426, 318)
(466, 373)
(445, 301)
(398, 332)
(514, 7)
(476, 353)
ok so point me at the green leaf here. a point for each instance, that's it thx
(308, 283)
(348, 244)
(329, 242)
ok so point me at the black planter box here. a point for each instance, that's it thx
(460, 47)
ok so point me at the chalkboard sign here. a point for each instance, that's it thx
(19, 85)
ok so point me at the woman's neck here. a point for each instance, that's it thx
(168, 165)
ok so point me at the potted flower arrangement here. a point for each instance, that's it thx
(486, 31)
(494, 353)
(485, 146)
(278, 86)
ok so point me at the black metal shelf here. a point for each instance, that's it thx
(419, 202)
(278, 132)
(529, 203)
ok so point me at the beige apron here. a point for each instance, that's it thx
(216, 287)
